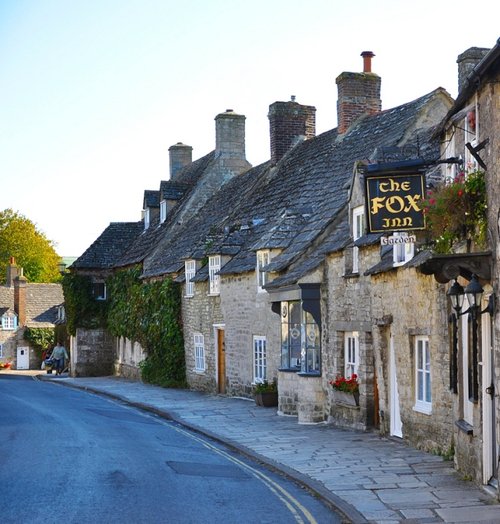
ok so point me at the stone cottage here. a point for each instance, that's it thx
(26, 305)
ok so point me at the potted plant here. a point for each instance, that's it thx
(266, 393)
(5, 365)
(346, 390)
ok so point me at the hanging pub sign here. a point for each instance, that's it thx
(394, 202)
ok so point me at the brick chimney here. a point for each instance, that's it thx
(181, 156)
(20, 283)
(467, 61)
(12, 272)
(358, 94)
(289, 122)
(230, 135)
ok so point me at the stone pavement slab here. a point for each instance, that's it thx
(369, 477)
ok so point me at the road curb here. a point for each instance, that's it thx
(314, 486)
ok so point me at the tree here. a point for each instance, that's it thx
(19, 238)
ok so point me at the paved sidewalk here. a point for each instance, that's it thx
(371, 479)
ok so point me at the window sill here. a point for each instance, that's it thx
(213, 294)
(464, 426)
(313, 374)
(421, 408)
(188, 296)
(351, 275)
(289, 370)
(199, 371)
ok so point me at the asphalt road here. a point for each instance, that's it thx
(73, 457)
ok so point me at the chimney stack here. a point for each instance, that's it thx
(230, 135)
(358, 94)
(12, 272)
(288, 122)
(20, 283)
(467, 61)
(181, 156)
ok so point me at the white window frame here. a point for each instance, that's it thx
(163, 211)
(263, 258)
(1, 350)
(199, 352)
(190, 272)
(9, 323)
(259, 359)
(214, 265)
(358, 214)
(402, 252)
(351, 353)
(423, 371)
(147, 218)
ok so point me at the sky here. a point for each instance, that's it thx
(94, 92)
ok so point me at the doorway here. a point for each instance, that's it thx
(221, 360)
(23, 357)
(396, 427)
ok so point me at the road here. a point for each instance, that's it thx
(74, 457)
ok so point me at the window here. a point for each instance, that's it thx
(402, 252)
(99, 290)
(213, 270)
(190, 272)
(1, 350)
(351, 353)
(263, 259)
(259, 359)
(357, 231)
(300, 339)
(9, 322)
(423, 375)
(163, 211)
(147, 218)
(199, 352)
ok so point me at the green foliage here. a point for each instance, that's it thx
(266, 387)
(457, 211)
(40, 338)
(20, 238)
(150, 313)
(82, 309)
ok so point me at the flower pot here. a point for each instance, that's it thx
(266, 399)
(345, 398)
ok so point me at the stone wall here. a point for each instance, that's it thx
(128, 356)
(92, 353)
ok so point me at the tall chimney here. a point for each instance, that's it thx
(230, 135)
(467, 61)
(288, 122)
(20, 283)
(181, 156)
(12, 272)
(358, 94)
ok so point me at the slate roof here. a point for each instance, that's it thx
(151, 198)
(170, 190)
(291, 205)
(109, 246)
(42, 301)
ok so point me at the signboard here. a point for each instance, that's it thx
(394, 202)
(393, 240)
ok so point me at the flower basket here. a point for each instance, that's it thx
(5, 365)
(346, 390)
(266, 394)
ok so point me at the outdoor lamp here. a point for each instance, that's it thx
(474, 292)
(456, 294)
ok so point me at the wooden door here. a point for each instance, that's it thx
(221, 359)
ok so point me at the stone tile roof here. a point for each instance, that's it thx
(292, 204)
(170, 190)
(104, 252)
(42, 301)
(151, 198)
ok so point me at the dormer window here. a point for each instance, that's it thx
(214, 263)
(358, 214)
(163, 211)
(9, 322)
(147, 218)
(263, 258)
(402, 251)
(190, 272)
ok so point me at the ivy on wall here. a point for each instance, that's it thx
(150, 313)
(40, 338)
(82, 309)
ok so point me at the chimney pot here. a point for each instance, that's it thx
(367, 61)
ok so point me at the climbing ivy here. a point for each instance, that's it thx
(82, 309)
(150, 313)
(40, 338)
